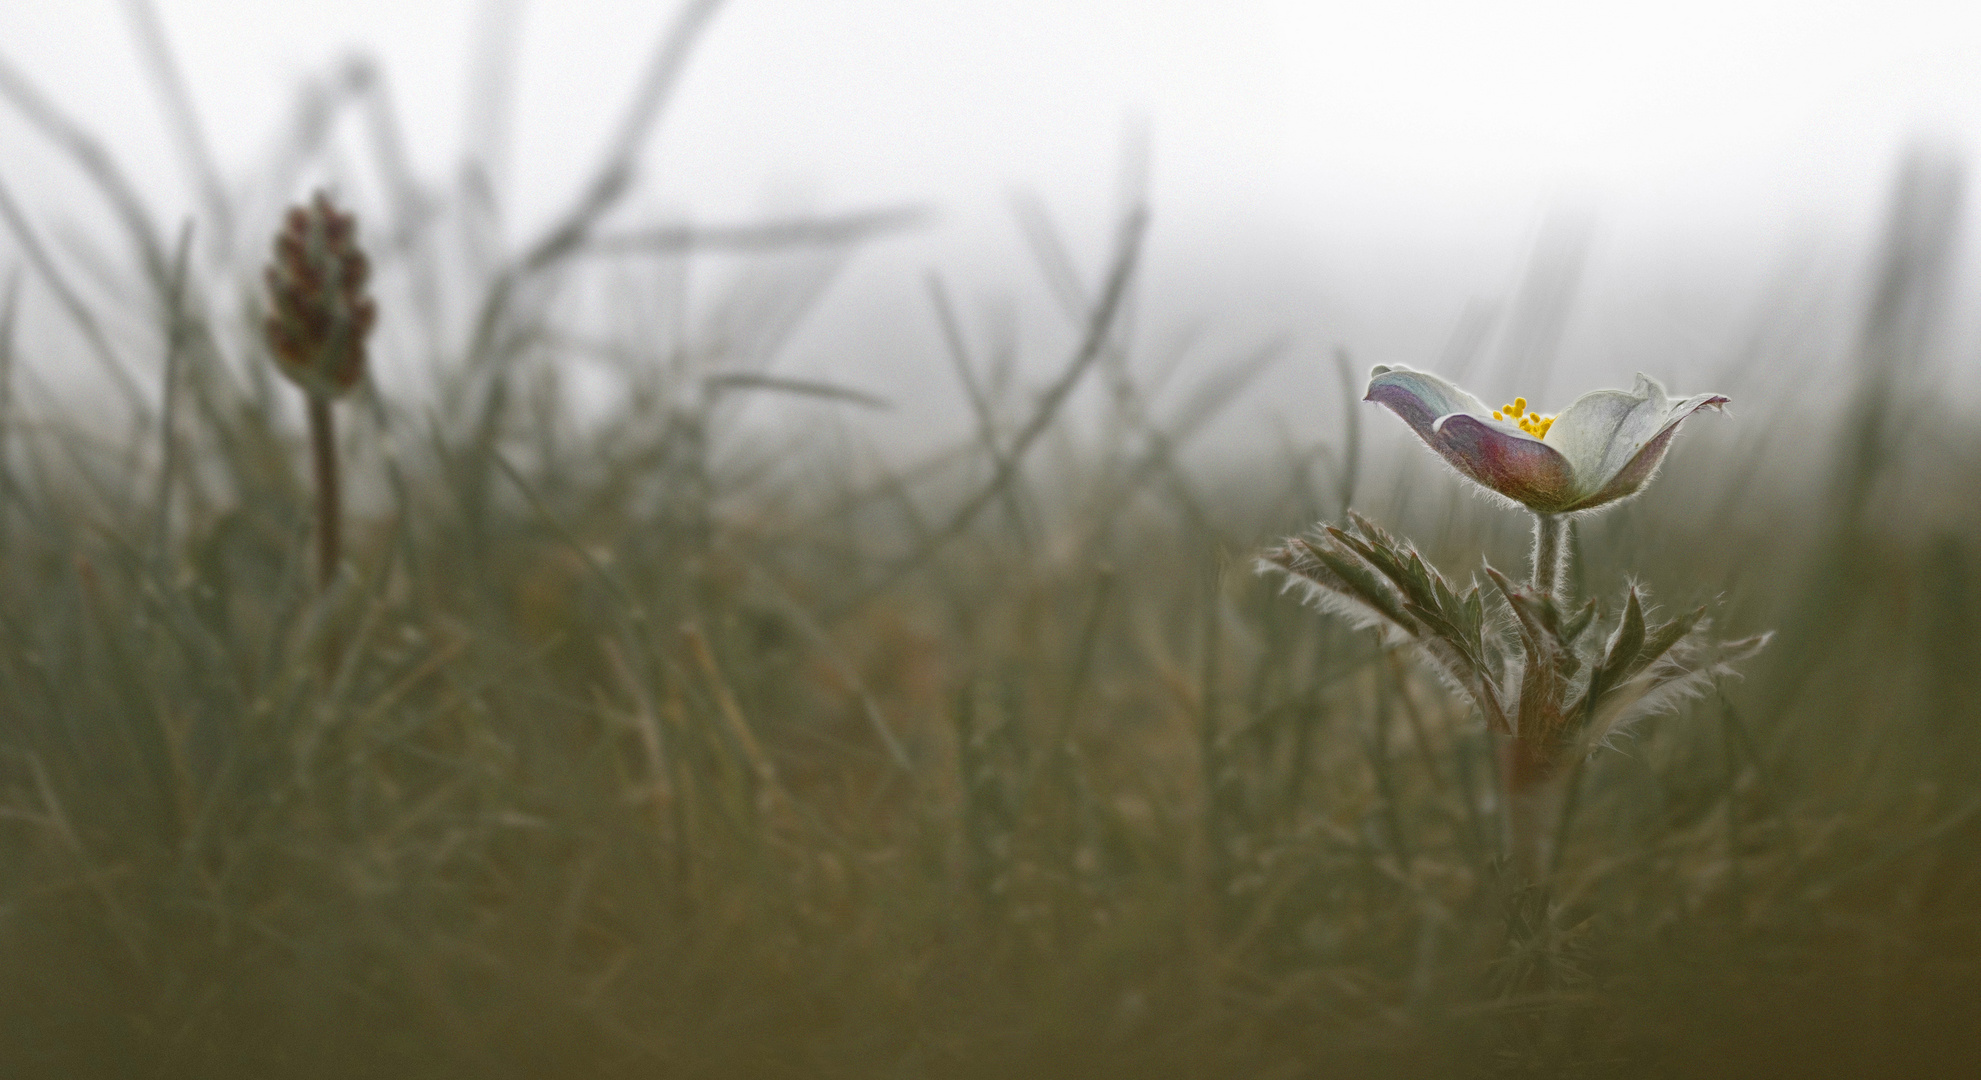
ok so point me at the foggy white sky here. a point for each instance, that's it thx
(1354, 171)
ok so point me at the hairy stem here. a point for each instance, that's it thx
(1530, 765)
(329, 501)
(1529, 784)
(1551, 555)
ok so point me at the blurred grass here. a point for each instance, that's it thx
(663, 746)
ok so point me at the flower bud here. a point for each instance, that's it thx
(318, 311)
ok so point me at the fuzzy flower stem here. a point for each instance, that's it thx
(1530, 772)
(1550, 554)
(329, 500)
(1530, 762)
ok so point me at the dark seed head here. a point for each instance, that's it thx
(318, 311)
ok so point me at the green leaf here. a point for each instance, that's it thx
(1405, 570)
(1371, 530)
(1660, 641)
(1525, 611)
(1579, 622)
(1440, 627)
(1365, 585)
(1625, 644)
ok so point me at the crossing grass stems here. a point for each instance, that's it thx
(655, 748)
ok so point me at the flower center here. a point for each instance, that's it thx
(1532, 423)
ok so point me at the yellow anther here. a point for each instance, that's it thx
(1532, 423)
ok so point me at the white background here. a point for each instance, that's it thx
(1349, 173)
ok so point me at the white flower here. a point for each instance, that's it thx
(1605, 446)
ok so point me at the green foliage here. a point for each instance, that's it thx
(655, 744)
(1531, 670)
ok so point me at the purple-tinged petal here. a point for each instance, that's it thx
(1420, 397)
(1643, 464)
(1606, 445)
(1516, 465)
(1453, 422)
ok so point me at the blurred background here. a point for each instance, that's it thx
(794, 610)
(1397, 178)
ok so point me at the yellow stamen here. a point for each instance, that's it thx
(1533, 423)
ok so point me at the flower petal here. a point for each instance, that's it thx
(1420, 397)
(1515, 464)
(1605, 446)
(1643, 464)
(1453, 422)
(1601, 431)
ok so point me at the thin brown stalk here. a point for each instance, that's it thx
(177, 333)
(114, 364)
(183, 116)
(615, 173)
(94, 159)
(329, 499)
(1100, 327)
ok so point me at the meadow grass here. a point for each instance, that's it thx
(652, 743)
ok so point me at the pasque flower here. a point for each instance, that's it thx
(1554, 678)
(1605, 446)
